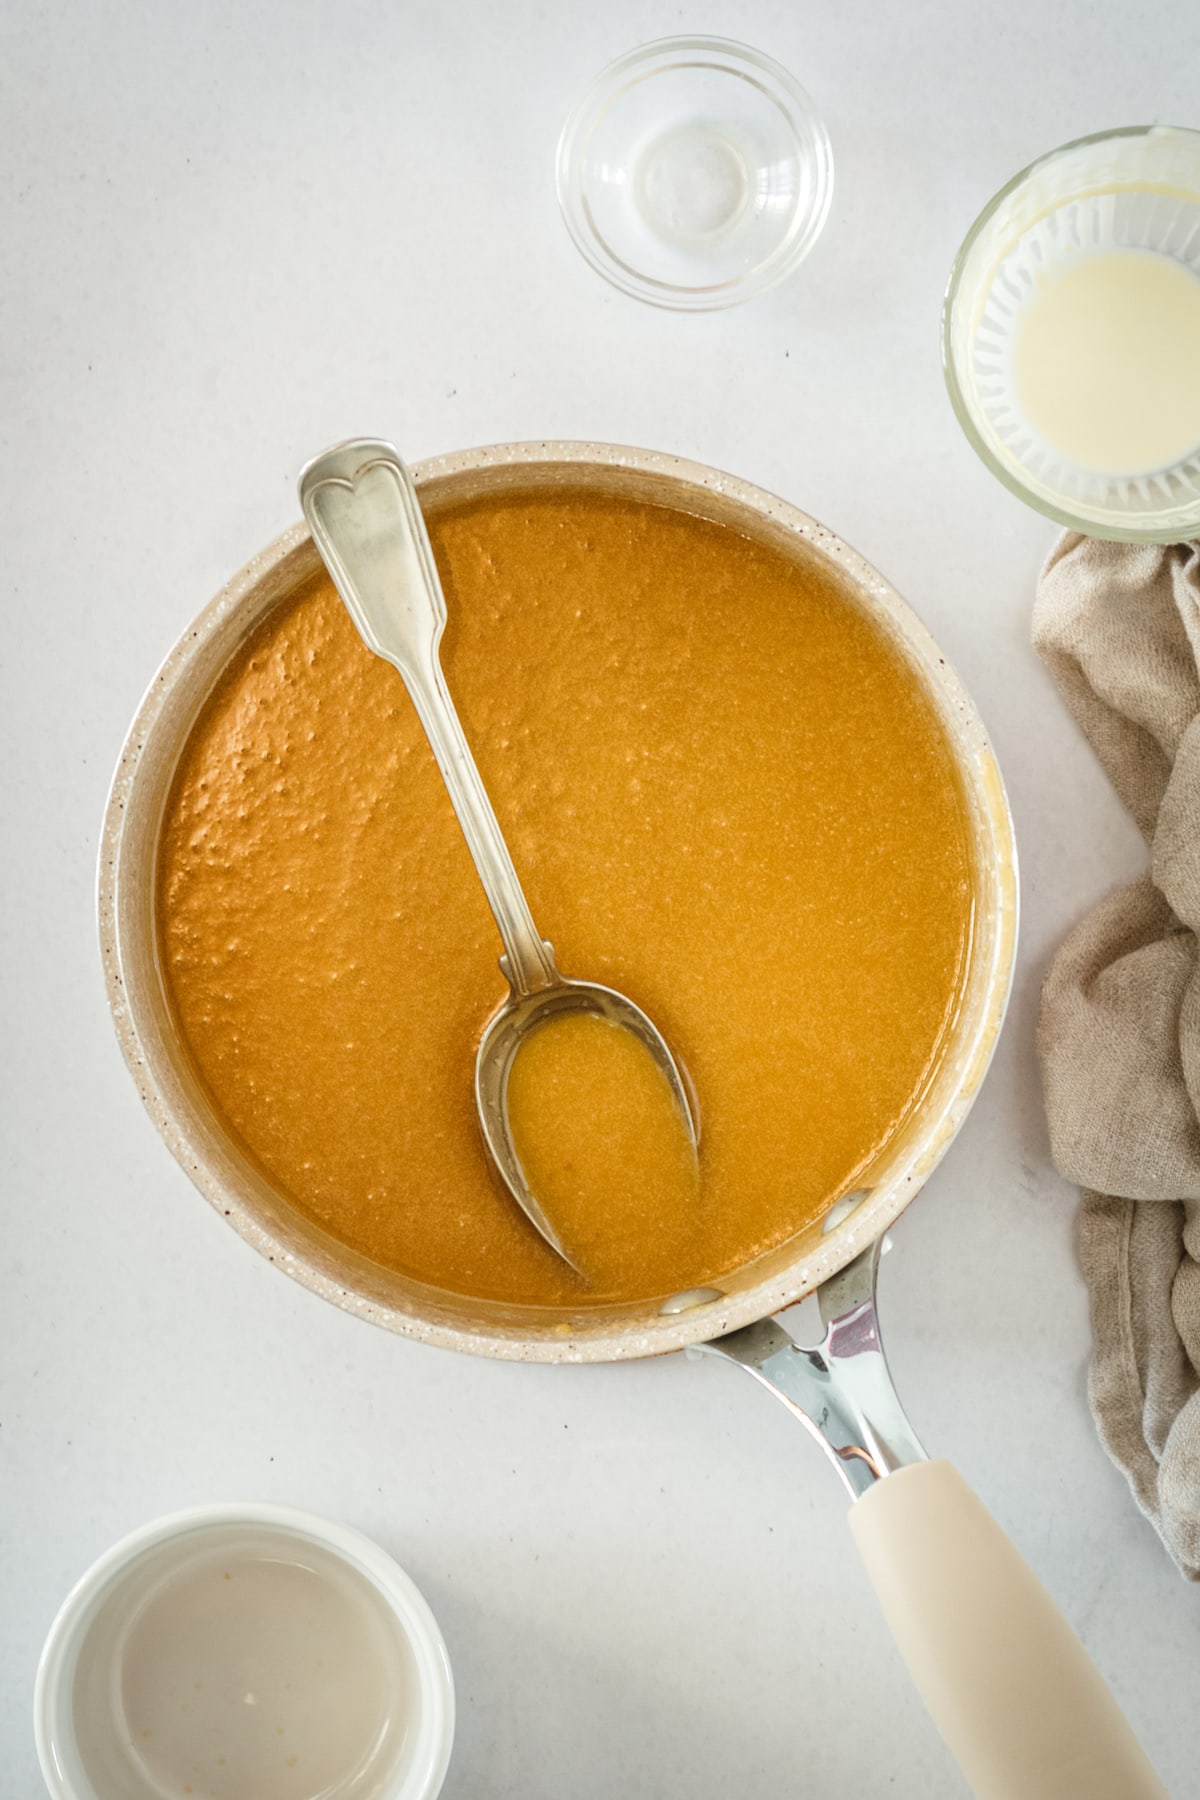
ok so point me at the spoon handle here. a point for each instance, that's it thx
(365, 518)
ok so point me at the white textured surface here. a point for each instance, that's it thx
(232, 234)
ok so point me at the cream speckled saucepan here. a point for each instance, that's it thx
(241, 1195)
(1020, 1704)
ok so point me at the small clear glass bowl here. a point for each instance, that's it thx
(694, 173)
(1137, 188)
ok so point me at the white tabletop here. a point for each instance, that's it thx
(232, 234)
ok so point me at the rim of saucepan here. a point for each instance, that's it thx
(585, 1336)
(53, 1685)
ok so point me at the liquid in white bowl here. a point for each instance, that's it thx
(244, 1663)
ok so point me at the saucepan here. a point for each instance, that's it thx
(1008, 1682)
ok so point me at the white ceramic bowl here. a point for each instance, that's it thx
(539, 1333)
(414, 1770)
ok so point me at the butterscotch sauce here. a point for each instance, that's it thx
(606, 1151)
(238, 1661)
(726, 796)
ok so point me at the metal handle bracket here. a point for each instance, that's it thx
(840, 1389)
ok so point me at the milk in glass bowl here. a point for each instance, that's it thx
(1071, 334)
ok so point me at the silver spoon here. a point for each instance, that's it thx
(365, 518)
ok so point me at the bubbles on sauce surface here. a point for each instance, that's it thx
(727, 796)
(247, 1662)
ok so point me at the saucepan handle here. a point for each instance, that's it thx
(1010, 1687)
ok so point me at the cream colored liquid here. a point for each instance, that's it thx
(1106, 362)
(259, 1667)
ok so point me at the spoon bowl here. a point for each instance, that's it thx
(365, 518)
(519, 1017)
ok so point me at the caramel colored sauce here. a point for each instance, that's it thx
(726, 795)
(606, 1151)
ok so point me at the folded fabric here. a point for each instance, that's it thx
(1118, 625)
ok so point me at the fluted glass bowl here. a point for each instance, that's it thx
(1132, 189)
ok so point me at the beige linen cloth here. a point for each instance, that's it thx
(1119, 1033)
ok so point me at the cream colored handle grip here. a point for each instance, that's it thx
(1009, 1685)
